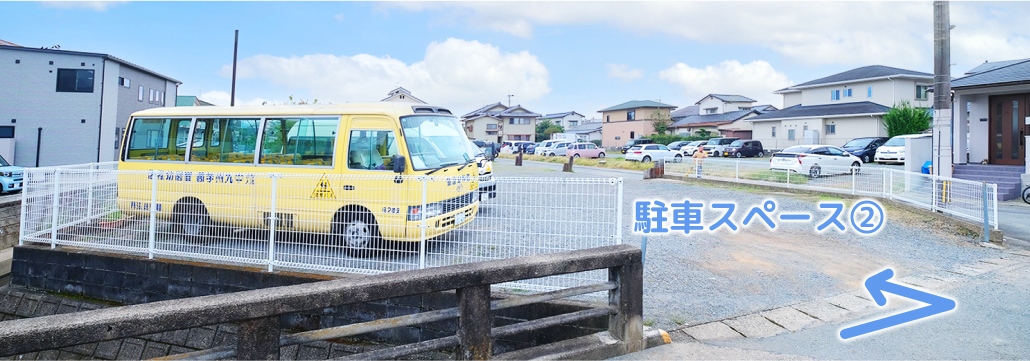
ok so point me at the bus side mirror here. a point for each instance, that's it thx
(399, 162)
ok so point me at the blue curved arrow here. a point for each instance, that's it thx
(878, 284)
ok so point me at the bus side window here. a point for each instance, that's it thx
(239, 141)
(371, 149)
(272, 143)
(155, 139)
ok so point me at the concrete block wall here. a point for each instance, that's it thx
(126, 279)
(10, 221)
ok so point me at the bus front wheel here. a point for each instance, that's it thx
(192, 220)
(358, 233)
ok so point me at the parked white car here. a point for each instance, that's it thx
(815, 160)
(690, 148)
(559, 148)
(652, 152)
(893, 151)
(545, 147)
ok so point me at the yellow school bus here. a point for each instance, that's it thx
(348, 171)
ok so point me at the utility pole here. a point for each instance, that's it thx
(942, 118)
(235, 47)
(509, 99)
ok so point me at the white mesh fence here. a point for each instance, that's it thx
(335, 223)
(960, 198)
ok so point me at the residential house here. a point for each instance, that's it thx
(586, 132)
(992, 125)
(401, 95)
(566, 120)
(499, 123)
(840, 107)
(75, 103)
(719, 115)
(190, 101)
(630, 120)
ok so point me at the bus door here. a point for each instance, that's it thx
(370, 182)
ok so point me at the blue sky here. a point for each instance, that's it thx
(553, 56)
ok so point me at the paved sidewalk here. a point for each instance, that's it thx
(1012, 220)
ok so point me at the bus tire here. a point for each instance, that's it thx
(357, 232)
(192, 220)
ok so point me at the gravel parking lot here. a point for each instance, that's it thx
(710, 276)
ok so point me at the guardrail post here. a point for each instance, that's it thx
(422, 226)
(273, 220)
(258, 339)
(986, 215)
(474, 323)
(152, 239)
(55, 207)
(627, 324)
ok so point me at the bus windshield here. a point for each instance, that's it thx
(435, 141)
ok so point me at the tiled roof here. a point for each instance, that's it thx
(511, 112)
(585, 128)
(711, 119)
(994, 65)
(634, 104)
(485, 111)
(684, 112)
(7, 43)
(866, 72)
(558, 115)
(1012, 72)
(728, 98)
(799, 111)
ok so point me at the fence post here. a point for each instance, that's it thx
(25, 207)
(422, 226)
(627, 324)
(153, 214)
(788, 176)
(258, 339)
(89, 193)
(55, 207)
(474, 323)
(618, 212)
(736, 170)
(273, 220)
(890, 184)
(933, 193)
(986, 215)
(994, 189)
(854, 174)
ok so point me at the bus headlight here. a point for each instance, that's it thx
(415, 213)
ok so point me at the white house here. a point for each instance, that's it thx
(566, 120)
(586, 132)
(840, 107)
(62, 107)
(718, 114)
(992, 125)
(401, 95)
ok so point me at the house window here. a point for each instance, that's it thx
(140, 98)
(75, 80)
(774, 132)
(607, 118)
(921, 91)
(790, 134)
(831, 129)
(847, 93)
(402, 97)
(151, 101)
(711, 110)
(631, 115)
(572, 123)
(491, 127)
(7, 131)
(869, 92)
(124, 82)
(632, 135)
(835, 94)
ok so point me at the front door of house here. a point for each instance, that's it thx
(1008, 129)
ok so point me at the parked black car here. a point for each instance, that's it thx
(528, 148)
(864, 148)
(633, 142)
(491, 149)
(744, 148)
(678, 144)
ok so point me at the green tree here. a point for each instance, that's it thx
(703, 133)
(903, 119)
(545, 128)
(660, 122)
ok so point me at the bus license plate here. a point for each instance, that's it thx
(459, 218)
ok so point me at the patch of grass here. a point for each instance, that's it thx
(649, 323)
(678, 320)
(615, 163)
(775, 176)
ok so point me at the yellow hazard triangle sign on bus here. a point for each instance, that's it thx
(323, 189)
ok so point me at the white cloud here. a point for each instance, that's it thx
(90, 5)
(845, 33)
(218, 97)
(623, 72)
(756, 80)
(987, 35)
(456, 73)
(338, 17)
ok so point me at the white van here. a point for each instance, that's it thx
(545, 147)
(893, 151)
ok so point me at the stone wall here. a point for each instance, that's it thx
(125, 279)
(10, 220)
